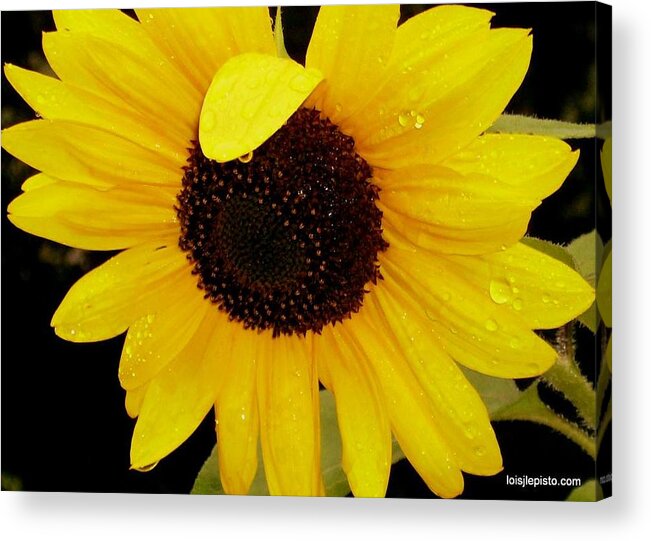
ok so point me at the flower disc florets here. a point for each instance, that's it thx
(287, 237)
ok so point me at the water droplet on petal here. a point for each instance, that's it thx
(514, 342)
(517, 304)
(300, 83)
(246, 158)
(500, 291)
(480, 450)
(491, 325)
(403, 119)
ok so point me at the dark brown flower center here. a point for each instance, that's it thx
(286, 238)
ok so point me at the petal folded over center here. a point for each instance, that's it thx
(249, 99)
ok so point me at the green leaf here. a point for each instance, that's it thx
(553, 250)
(279, 36)
(590, 491)
(334, 478)
(587, 252)
(208, 481)
(496, 393)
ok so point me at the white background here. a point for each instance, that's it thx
(625, 516)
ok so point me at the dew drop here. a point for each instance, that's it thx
(491, 325)
(147, 468)
(546, 298)
(338, 107)
(517, 304)
(403, 119)
(246, 158)
(480, 450)
(300, 83)
(514, 342)
(500, 291)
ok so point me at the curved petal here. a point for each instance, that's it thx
(178, 398)
(288, 402)
(158, 336)
(236, 412)
(55, 100)
(438, 101)
(133, 400)
(250, 98)
(198, 41)
(361, 415)
(84, 154)
(444, 204)
(412, 419)
(471, 328)
(139, 77)
(461, 414)
(84, 217)
(104, 302)
(541, 290)
(548, 162)
(350, 46)
(441, 240)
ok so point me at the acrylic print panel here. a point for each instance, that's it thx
(347, 257)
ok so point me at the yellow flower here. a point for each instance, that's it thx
(268, 247)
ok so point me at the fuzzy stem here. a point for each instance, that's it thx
(551, 128)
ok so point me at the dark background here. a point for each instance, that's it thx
(64, 427)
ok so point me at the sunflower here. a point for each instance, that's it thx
(346, 223)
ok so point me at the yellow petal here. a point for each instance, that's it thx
(461, 414)
(288, 401)
(441, 240)
(249, 99)
(133, 400)
(178, 399)
(541, 290)
(159, 335)
(361, 416)
(236, 412)
(536, 165)
(471, 328)
(87, 155)
(412, 419)
(199, 40)
(350, 46)
(104, 302)
(55, 100)
(445, 204)
(138, 77)
(87, 218)
(38, 181)
(433, 106)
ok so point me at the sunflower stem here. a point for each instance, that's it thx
(602, 383)
(603, 425)
(566, 377)
(530, 408)
(522, 124)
